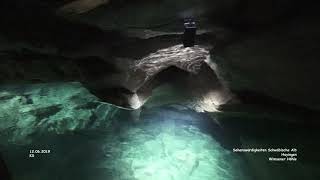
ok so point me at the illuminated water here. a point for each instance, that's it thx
(90, 140)
(170, 142)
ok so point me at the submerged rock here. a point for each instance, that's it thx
(169, 144)
(56, 108)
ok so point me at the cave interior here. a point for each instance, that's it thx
(126, 90)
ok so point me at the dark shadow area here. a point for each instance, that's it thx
(267, 102)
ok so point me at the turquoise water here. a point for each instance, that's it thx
(88, 139)
(165, 144)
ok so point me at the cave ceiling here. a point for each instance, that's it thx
(251, 46)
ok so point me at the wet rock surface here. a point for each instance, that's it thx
(165, 65)
(123, 81)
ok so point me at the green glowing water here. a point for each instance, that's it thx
(90, 140)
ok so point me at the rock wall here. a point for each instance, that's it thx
(258, 46)
(281, 62)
